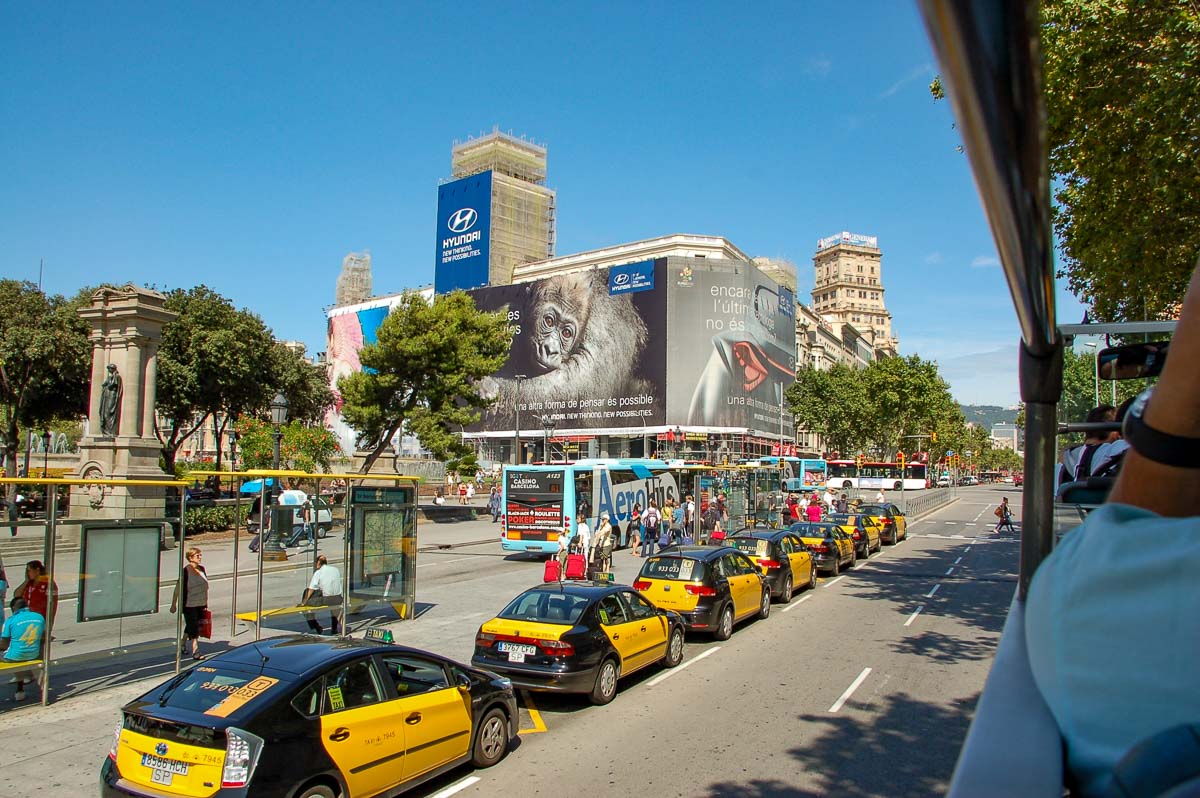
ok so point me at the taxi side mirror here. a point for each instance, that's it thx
(464, 683)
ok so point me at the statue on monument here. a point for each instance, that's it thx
(110, 401)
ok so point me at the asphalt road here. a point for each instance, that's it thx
(862, 687)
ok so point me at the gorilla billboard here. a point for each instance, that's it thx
(588, 351)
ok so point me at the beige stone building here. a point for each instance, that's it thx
(848, 287)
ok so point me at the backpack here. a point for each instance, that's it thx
(712, 516)
(999, 511)
(652, 519)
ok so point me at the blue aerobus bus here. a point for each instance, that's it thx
(802, 474)
(541, 502)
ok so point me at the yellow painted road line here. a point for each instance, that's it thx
(539, 725)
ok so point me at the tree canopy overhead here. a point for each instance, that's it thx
(421, 373)
(1123, 108)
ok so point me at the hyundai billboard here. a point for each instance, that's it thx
(464, 227)
(588, 351)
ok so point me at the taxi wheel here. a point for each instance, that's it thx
(316, 791)
(606, 683)
(837, 563)
(491, 741)
(322, 531)
(786, 597)
(724, 628)
(674, 648)
(764, 609)
(812, 578)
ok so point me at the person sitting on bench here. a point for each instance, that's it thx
(22, 634)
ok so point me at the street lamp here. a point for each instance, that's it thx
(46, 438)
(272, 550)
(1096, 359)
(679, 442)
(517, 409)
(548, 429)
(233, 441)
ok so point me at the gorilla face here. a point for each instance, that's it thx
(556, 335)
(562, 307)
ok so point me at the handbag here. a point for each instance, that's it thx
(205, 625)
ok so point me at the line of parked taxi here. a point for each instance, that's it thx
(313, 717)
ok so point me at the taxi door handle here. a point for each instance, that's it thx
(617, 636)
(413, 719)
(643, 628)
(339, 734)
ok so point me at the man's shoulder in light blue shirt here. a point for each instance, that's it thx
(1113, 631)
(24, 634)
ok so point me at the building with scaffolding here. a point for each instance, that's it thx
(495, 213)
(354, 283)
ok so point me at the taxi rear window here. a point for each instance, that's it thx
(812, 531)
(545, 606)
(214, 691)
(753, 547)
(683, 569)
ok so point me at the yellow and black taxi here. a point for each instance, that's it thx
(309, 717)
(893, 526)
(862, 529)
(711, 588)
(785, 561)
(578, 637)
(831, 546)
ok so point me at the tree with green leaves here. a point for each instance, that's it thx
(833, 404)
(908, 396)
(1124, 132)
(214, 360)
(421, 374)
(303, 447)
(304, 385)
(45, 360)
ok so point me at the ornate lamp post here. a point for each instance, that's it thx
(517, 459)
(679, 452)
(272, 550)
(46, 438)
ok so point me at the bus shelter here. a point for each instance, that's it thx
(112, 592)
(112, 582)
(375, 559)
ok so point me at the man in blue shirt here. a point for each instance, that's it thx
(22, 634)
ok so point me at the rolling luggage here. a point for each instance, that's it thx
(576, 566)
(552, 572)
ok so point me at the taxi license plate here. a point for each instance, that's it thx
(163, 770)
(517, 652)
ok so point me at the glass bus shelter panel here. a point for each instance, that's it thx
(119, 571)
(382, 549)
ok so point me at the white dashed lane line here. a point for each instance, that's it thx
(798, 603)
(457, 786)
(862, 677)
(935, 589)
(833, 582)
(913, 617)
(708, 652)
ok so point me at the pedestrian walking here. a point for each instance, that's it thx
(193, 585)
(813, 511)
(494, 504)
(324, 590)
(679, 527)
(651, 526)
(470, 492)
(1004, 516)
(635, 529)
(603, 545)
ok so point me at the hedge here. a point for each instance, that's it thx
(213, 519)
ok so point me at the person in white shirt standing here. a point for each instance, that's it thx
(583, 537)
(324, 590)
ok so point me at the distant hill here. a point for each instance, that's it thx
(987, 415)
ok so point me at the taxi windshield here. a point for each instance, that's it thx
(755, 547)
(813, 530)
(681, 568)
(212, 691)
(545, 606)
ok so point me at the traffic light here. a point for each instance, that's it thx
(933, 437)
(900, 458)
(858, 461)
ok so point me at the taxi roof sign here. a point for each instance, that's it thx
(380, 635)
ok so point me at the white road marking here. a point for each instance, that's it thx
(833, 582)
(951, 523)
(667, 674)
(967, 550)
(913, 617)
(935, 589)
(949, 570)
(956, 562)
(862, 677)
(970, 523)
(444, 562)
(457, 786)
(798, 603)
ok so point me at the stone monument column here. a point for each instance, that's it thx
(126, 328)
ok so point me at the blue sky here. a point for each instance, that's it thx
(251, 146)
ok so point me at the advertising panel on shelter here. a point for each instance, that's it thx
(464, 225)
(588, 351)
(735, 349)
